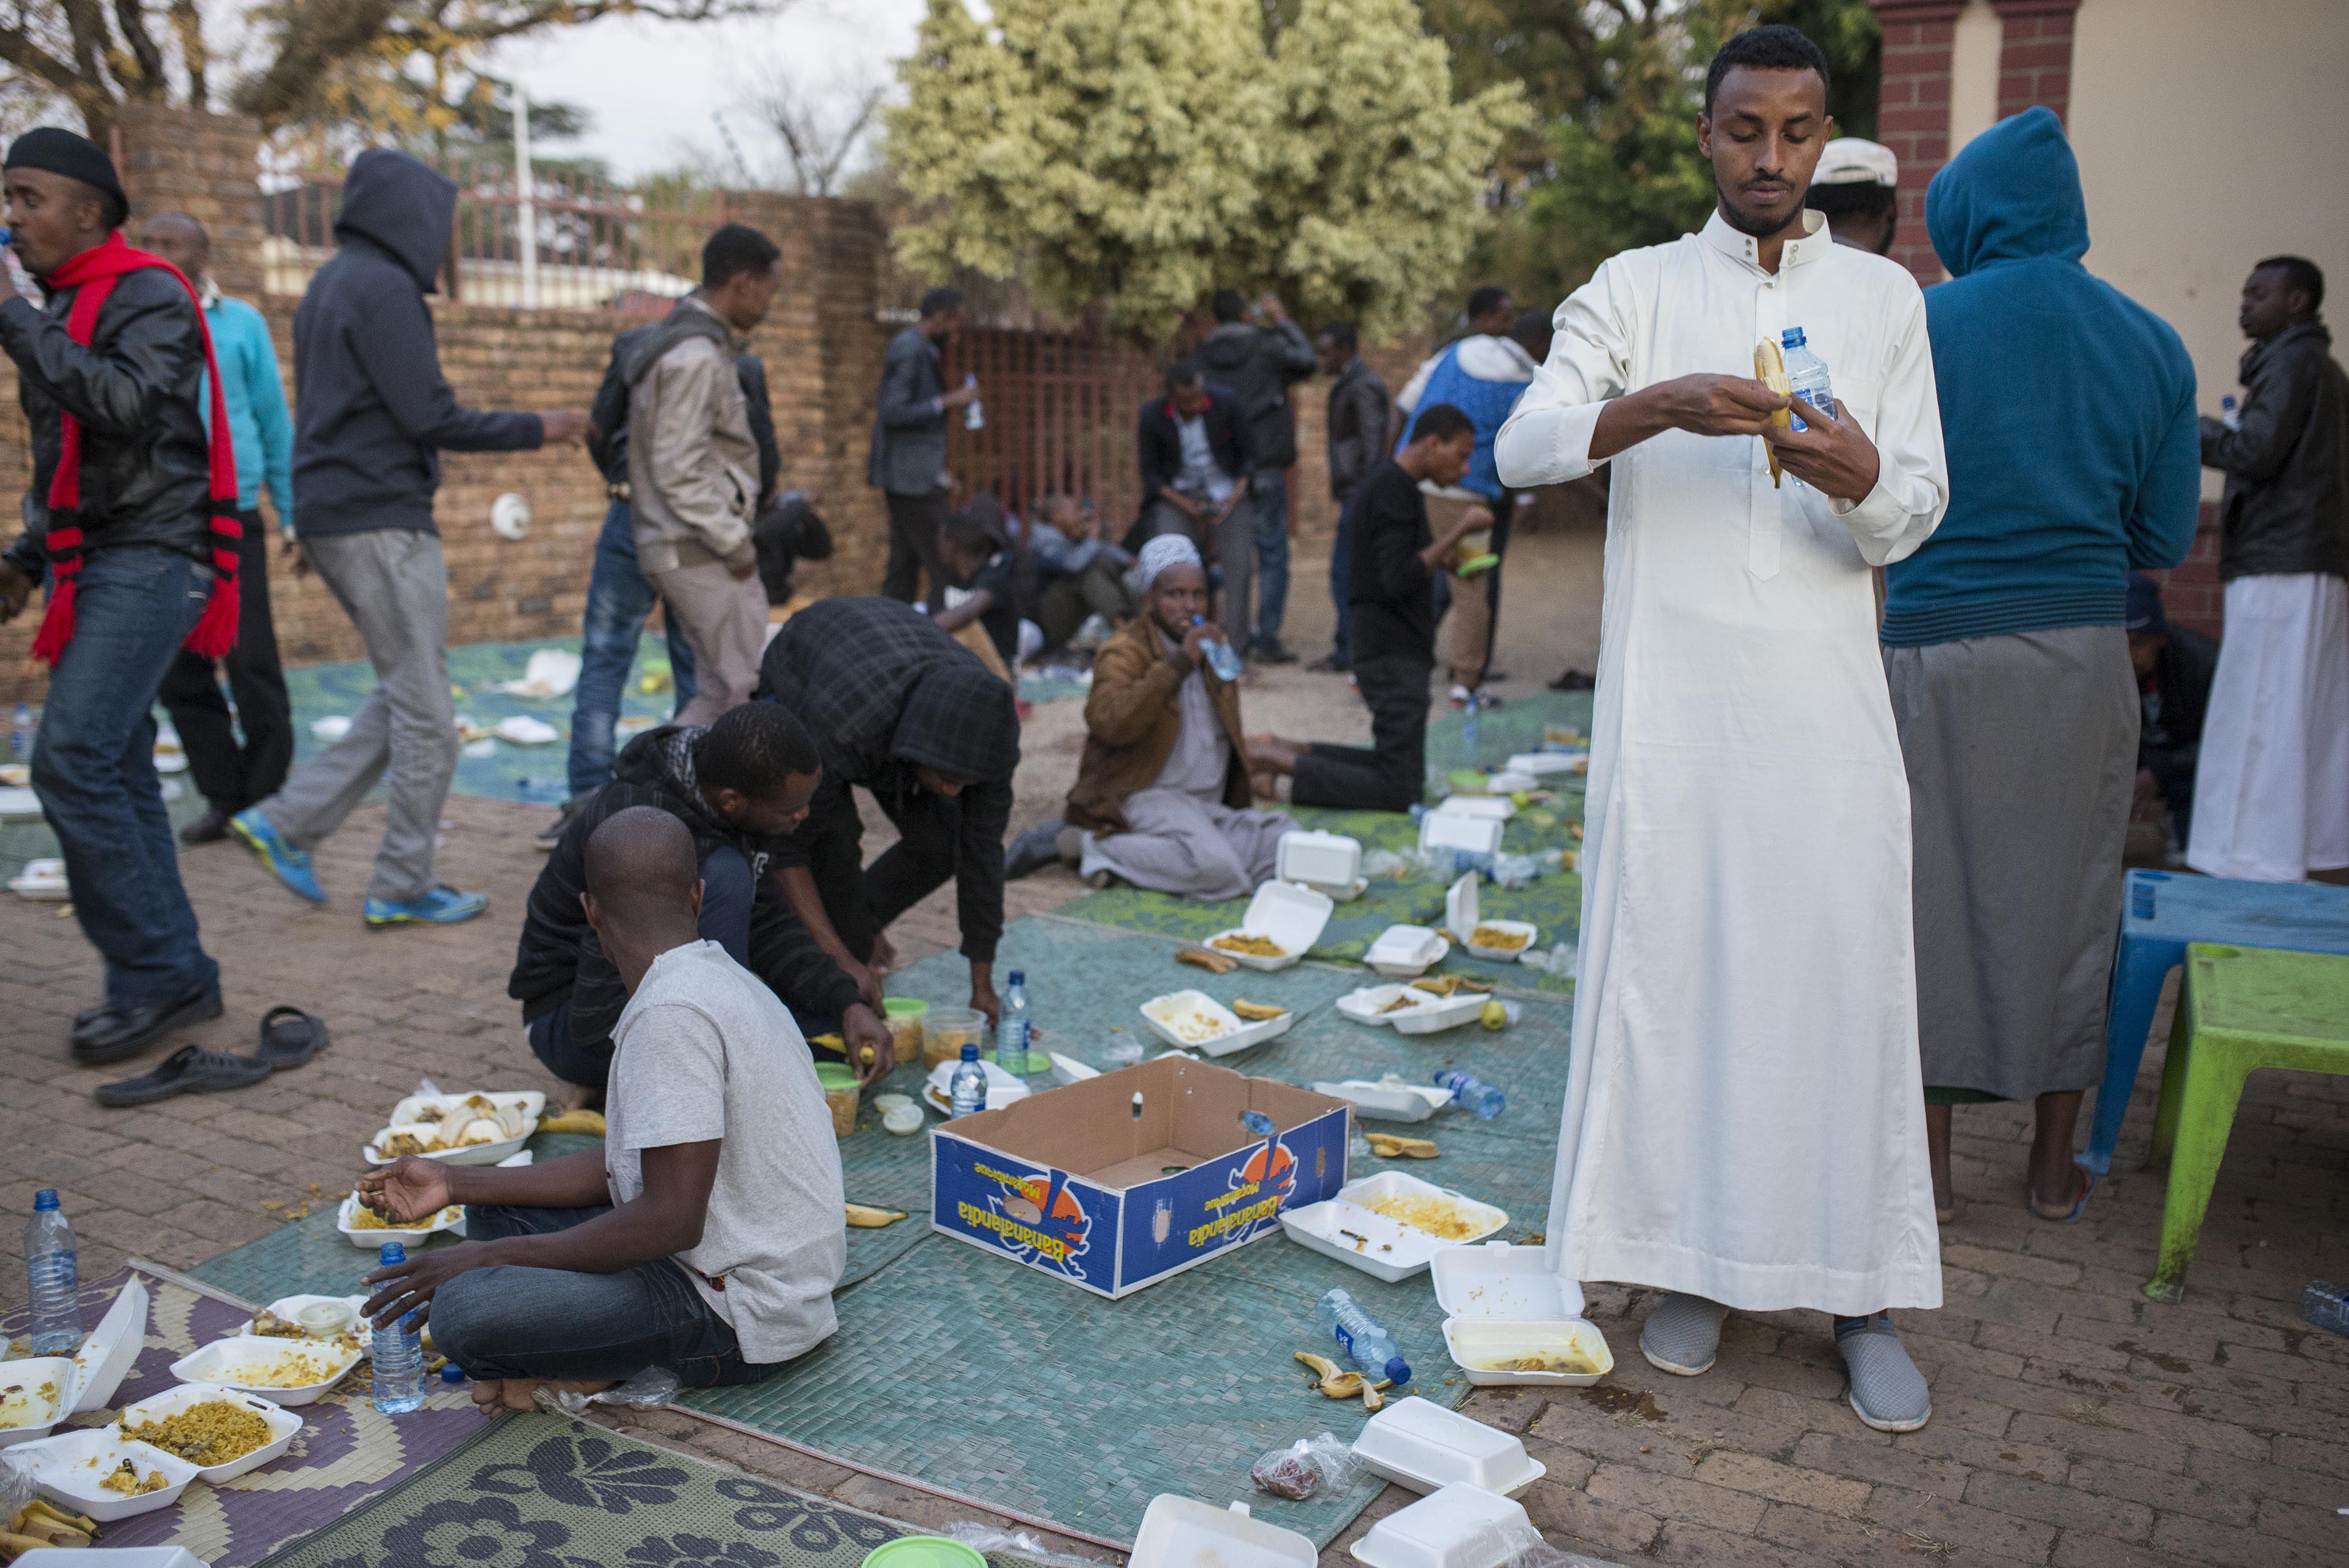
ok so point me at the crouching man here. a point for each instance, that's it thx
(708, 1234)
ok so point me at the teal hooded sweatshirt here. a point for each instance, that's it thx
(2067, 409)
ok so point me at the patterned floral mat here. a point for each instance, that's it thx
(542, 1491)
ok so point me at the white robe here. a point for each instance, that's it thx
(1744, 1115)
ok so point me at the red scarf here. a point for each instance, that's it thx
(95, 272)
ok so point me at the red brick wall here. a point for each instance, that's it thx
(2034, 56)
(2191, 594)
(1913, 113)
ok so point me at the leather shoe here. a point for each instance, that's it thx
(208, 828)
(118, 1033)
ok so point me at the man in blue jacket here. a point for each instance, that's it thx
(233, 776)
(908, 464)
(372, 415)
(2067, 413)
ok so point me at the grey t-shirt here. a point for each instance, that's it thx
(703, 1051)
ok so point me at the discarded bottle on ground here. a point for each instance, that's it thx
(1365, 1342)
(53, 1273)
(967, 1089)
(2326, 1305)
(1473, 1092)
(1807, 373)
(398, 1353)
(1012, 1034)
(1222, 657)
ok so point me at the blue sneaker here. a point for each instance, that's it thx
(291, 865)
(441, 907)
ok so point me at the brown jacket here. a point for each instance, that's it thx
(1131, 723)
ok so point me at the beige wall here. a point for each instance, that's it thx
(1973, 73)
(2209, 134)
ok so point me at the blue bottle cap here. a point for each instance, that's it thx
(1399, 1369)
(971, 1050)
(393, 1252)
(47, 1198)
(1791, 338)
(1019, 977)
(451, 1373)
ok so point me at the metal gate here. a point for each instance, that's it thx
(1061, 413)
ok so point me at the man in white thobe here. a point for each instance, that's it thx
(1744, 1122)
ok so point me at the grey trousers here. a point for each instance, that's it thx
(1234, 555)
(394, 585)
(724, 619)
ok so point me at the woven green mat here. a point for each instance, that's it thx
(542, 1491)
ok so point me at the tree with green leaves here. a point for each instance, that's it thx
(1137, 154)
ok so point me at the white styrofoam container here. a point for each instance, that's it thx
(1382, 1247)
(69, 1467)
(1290, 916)
(42, 1415)
(1442, 1012)
(1405, 953)
(1508, 781)
(287, 1308)
(1388, 1102)
(450, 1219)
(1421, 1444)
(531, 1102)
(282, 1423)
(1540, 763)
(1495, 807)
(1239, 1034)
(1451, 830)
(1069, 1070)
(1504, 1302)
(228, 1362)
(1184, 1532)
(1462, 919)
(1331, 860)
(1002, 1088)
(1452, 1527)
(1363, 1003)
(105, 1357)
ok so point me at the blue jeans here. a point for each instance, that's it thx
(1341, 581)
(618, 600)
(94, 771)
(512, 1322)
(1272, 494)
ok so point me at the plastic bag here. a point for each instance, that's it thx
(1522, 1546)
(648, 1389)
(1306, 1466)
(17, 1488)
(1563, 959)
(985, 1538)
(426, 1089)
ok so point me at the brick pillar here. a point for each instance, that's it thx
(207, 166)
(1913, 113)
(2035, 55)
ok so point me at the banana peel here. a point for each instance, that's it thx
(1322, 1366)
(1770, 369)
(1256, 1012)
(1449, 984)
(1343, 1383)
(574, 1122)
(1386, 1146)
(865, 1218)
(1203, 958)
(40, 1509)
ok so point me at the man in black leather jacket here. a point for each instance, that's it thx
(143, 581)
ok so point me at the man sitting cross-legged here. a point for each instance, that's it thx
(708, 1234)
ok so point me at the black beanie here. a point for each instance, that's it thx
(77, 157)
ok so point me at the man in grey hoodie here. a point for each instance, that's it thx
(1259, 363)
(372, 415)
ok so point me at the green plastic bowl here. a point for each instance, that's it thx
(923, 1551)
(834, 1076)
(905, 1007)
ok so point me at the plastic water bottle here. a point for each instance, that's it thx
(1221, 657)
(973, 415)
(966, 1090)
(1012, 1034)
(21, 731)
(1808, 373)
(2230, 414)
(2326, 1305)
(398, 1354)
(1366, 1344)
(54, 1274)
(1473, 1092)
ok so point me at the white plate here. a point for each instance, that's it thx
(282, 1423)
(405, 1117)
(1385, 1102)
(229, 1362)
(1239, 1034)
(105, 1357)
(1385, 1247)
(1421, 1444)
(67, 1469)
(450, 1219)
(1455, 1527)
(40, 1415)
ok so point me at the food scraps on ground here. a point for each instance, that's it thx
(124, 1479)
(1254, 946)
(1200, 958)
(866, 1218)
(1386, 1146)
(364, 1218)
(1256, 1012)
(212, 1433)
(1439, 1217)
(1288, 1474)
(1495, 937)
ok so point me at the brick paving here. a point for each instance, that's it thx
(2074, 1425)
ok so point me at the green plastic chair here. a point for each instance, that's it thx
(2239, 1009)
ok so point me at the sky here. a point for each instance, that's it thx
(650, 86)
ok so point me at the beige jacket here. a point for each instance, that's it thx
(693, 466)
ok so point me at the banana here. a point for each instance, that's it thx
(574, 1122)
(1256, 1012)
(1212, 961)
(1372, 1400)
(865, 1218)
(1770, 369)
(1322, 1366)
(1345, 1386)
(1386, 1146)
(42, 1510)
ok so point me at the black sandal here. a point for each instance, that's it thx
(289, 1037)
(190, 1070)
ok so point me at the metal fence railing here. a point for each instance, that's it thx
(1061, 409)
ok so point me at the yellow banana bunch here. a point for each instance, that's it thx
(1770, 369)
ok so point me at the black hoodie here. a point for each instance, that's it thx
(371, 409)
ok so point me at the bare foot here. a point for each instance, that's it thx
(494, 1395)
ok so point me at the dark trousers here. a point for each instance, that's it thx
(233, 776)
(619, 601)
(2173, 770)
(1391, 771)
(1341, 580)
(860, 900)
(506, 1321)
(94, 771)
(1271, 494)
(914, 525)
(727, 893)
